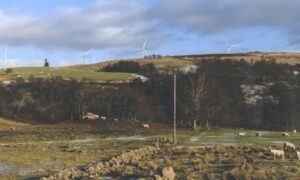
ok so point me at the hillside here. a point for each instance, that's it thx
(65, 73)
(170, 62)
(89, 72)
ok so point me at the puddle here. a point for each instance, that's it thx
(129, 138)
(277, 142)
(4, 168)
(183, 147)
(37, 167)
(106, 178)
(219, 143)
(82, 141)
(7, 169)
(195, 138)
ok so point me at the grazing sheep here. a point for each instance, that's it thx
(146, 126)
(298, 156)
(294, 131)
(103, 118)
(241, 134)
(12, 128)
(277, 153)
(259, 134)
(289, 146)
(96, 116)
(285, 134)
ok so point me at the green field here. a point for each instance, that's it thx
(65, 73)
(89, 72)
(39, 150)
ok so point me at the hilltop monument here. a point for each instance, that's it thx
(46, 64)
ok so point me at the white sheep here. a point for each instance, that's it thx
(294, 131)
(96, 116)
(289, 146)
(146, 126)
(285, 134)
(277, 153)
(116, 119)
(103, 118)
(12, 128)
(258, 134)
(298, 156)
(242, 134)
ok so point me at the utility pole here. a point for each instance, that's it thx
(174, 115)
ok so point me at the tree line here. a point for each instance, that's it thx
(211, 97)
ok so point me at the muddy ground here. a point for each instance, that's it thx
(218, 162)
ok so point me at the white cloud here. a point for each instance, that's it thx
(125, 24)
(105, 24)
(12, 62)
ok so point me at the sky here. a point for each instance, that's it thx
(63, 30)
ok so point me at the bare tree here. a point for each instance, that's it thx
(192, 100)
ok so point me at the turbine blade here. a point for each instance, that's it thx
(226, 42)
(145, 43)
(89, 51)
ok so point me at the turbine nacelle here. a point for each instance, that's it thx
(143, 49)
(229, 45)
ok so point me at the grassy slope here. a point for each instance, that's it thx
(65, 72)
(88, 72)
(182, 61)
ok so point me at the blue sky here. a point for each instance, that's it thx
(61, 30)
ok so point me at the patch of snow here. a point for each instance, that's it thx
(7, 82)
(255, 94)
(190, 69)
(141, 77)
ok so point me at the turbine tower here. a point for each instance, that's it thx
(86, 55)
(229, 45)
(5, 59)
(143, 49)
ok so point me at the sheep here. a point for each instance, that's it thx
(146, 126)
(289, 146)
(294, 131)
(103, 118)
(96, 116)
(259, 134)
(12, 128)
(285, 134)
(242, 134)
(116, 119)
(298, 156)
(277, 153)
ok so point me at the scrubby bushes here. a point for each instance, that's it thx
(214, 96)
(130, 67)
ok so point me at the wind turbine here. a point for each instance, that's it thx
(86, 55)
(143, 49)
(229, 45)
